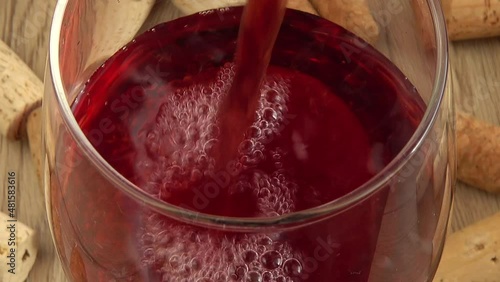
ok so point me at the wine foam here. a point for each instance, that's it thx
(179, 147)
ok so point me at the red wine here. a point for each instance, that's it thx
(327, 121)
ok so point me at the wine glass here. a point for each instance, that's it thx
(115, 217)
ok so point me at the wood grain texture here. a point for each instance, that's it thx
(24, 26)
(476, 89)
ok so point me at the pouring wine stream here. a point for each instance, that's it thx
(259, 28)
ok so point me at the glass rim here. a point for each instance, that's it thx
(301, 218)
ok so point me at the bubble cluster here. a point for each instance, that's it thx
(199, 255)
(179, 146)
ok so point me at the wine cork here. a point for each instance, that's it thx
(194, 6)
(353, 15)
(472, 254)
(478, 153)
(18, 249)
(469, 19)
(116, 24)
(34, 130)
(465, 19)
(20, 93)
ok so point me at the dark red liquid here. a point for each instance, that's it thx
(327, 121)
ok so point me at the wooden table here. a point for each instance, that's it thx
(24, 25)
